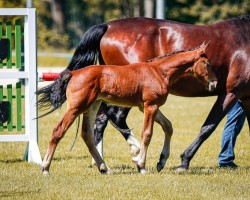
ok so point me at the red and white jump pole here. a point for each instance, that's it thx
(47, 76)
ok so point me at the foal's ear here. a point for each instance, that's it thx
(203, 47)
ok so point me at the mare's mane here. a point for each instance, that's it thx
(244, 17)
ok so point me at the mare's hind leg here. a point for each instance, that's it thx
(88, 133)
(219, 110)
(168, 130)
(58, 133)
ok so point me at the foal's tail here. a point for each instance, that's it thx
(54, 94)
(87, 53)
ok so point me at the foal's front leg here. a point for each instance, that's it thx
(150, 112)
(58, 133)
(88, 137)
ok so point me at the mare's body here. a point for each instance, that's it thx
(132, 40)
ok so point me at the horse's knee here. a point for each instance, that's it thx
(206, 131)
(57, 135)
(146, 137)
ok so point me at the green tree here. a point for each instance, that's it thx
(205, 11)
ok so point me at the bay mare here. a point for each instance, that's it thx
(145, 85)
(131, 40)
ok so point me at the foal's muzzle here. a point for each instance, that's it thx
(212, 86)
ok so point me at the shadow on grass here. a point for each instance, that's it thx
(12, 161)
(208, 170)
(54, 159)
(63, 158)
(17, 193)
(119, 169)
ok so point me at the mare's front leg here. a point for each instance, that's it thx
(88, 136)
(150, 112)
(168, 130)
(118, 115)
(221, 107)
(99, 127)
(58, 133)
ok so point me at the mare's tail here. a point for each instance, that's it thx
(88, 50)
(87, 53)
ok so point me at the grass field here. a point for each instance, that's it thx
(72, 177)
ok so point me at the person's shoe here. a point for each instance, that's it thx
(229, 165)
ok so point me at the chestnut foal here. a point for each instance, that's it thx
(145, 85)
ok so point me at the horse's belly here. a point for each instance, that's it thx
(121, 101)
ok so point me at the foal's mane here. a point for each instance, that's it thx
(172, 53)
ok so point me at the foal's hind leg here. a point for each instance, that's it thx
(88, 136)
(150, 112)
(168, 130)
(58, 133)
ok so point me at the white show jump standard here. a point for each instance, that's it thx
(30, 76)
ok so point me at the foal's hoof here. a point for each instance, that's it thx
(181, 169)
(159, 167)
(143, 172)
(45, 173)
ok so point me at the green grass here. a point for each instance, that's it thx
(72, 177)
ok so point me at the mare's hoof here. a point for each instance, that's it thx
(104, 169)
(159, 167)
(181, 169)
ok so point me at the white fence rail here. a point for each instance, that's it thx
(29, 75)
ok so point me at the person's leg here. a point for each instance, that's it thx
(233, 126)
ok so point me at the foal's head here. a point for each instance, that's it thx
(201, 69)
